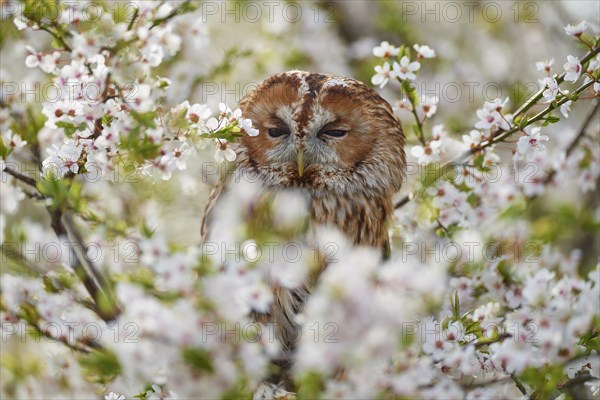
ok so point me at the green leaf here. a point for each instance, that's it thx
(405, 51)
(552, 118)
(523, 121)
(55, 188)
(4, 150)
(146, 119)
(311, 386)
(74, 196)
(401, 52)
(505, 271)
(591, 340)
(592, 343)
(198, 358)
(543, 380)
(70, 128)
(146, 230)
(410, 91)
(455, 305)
(100, 366)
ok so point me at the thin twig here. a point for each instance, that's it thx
(23, 178)
(133, 18)
(497, 339)
(173, 13)
(519, 384)
(576, 140)
(420, 135)
(57, 37)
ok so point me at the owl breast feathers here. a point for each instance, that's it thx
(334, 138)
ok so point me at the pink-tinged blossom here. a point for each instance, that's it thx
(428, 106)
(246, 125)
(588, 177)
(545, 65)
(12, 140)
(385, 50)
(452, 203)
(496, 104)
(46, 62)
(428, 153)
(536, 288)
(436, 343)
(198, 114)
(472, 140)
(491, 118)
(85, 45)
(565, 108)
(224, 152)
(463, 360)
(424, 51)
(140, 98)
(511, 357)
(259, 297)
(532, 142)
(551, 89)
(382, 76)
(63, 160)
(572, 68)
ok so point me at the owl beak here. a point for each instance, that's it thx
(300, 162)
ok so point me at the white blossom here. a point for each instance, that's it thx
(576, 30)
(405, 69)
(382, 76)
(224, 152)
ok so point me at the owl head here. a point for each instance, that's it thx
(322, 133)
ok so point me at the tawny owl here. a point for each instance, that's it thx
(333, 138)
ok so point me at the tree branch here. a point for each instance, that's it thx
(501, 135)
(519, 384)
(575, 141)
(531, 102)
(17, 175)
(575, 387)
(83, 267)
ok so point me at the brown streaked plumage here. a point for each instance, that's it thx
(337, 140)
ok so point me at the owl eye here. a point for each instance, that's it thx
(333, 133)
(277, 132)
